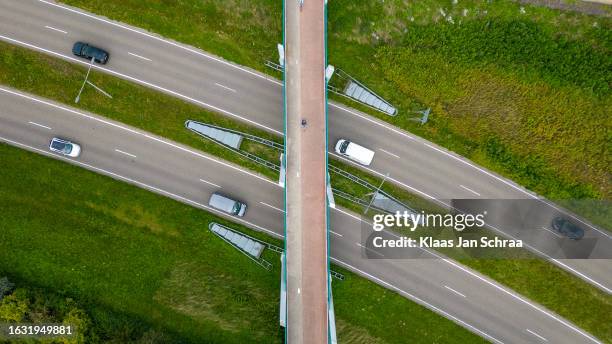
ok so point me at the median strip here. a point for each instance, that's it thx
(163, 115)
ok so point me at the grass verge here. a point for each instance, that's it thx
(138, 262)
(164, 115)
(483, 67)
(132, 104)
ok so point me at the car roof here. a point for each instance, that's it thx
(360, 152)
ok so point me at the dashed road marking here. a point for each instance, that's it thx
(454, 291)
(125, 153)
(273, 207)
(140, 57)
(207, 182)
(385, 151)
(54, 29)
(537, 335)
(369, 249)
(39, 125)
(225, 87)
(555, 234)
(470, 190)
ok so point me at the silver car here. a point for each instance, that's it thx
(65, 147)
(227, 204)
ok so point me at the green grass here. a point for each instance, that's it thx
(524, 94)
(165, 115)
(528, 275)
(132, 104)
(137, 261)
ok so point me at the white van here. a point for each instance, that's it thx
(354, 152)
(227, 205)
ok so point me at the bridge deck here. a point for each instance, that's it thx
(306, 172)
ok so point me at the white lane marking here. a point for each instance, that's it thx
(273, 207)
(338, 234)
(142, 82)
(416, 299)
(207, 182)
(509, 183)
(202, 206)
(555, 261)
(510, 292)
(125, 153)
(335, 105)
(369, 249)
(144, 186)
(54, 29)
(516, 187)
(523, 300)
(136, 132)
(227, 88)
(40, 125)
(537, 335)
(555, 234)
(393, 155)
(351, 215)
(351, 162)
(140, 57)
(470, 190)
(267, 180)
(219, 60)
(372, 120)
(454, 291)
(265, 77)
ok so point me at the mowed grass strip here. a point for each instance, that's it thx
(164, 115)
(125, 252)
(132, 104)
(522, 90)
(528, 275)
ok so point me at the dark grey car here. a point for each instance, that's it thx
(567, 228)
(88, 51)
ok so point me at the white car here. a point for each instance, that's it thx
(354, 152)
(65, 147)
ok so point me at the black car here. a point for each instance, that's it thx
(88, 51)
(567, 228)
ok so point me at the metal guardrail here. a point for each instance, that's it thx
(274, 66)
(276, 167)
(243, 153)
(351, 177)
(275, 248)
(348, 79)
(262, 262)
(250, 137)
(336, 274)
(350, 197)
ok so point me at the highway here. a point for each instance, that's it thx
(235, 91)
(189, 176)
(240, 93)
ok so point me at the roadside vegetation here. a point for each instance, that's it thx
(150, 110)
(132, 104)
(24, 304)
(522, 90)
(143, 268)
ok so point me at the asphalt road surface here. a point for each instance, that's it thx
(238, 92)
(189, 176)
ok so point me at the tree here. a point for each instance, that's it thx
(79, 320)
(5, 287)
(14, 307)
